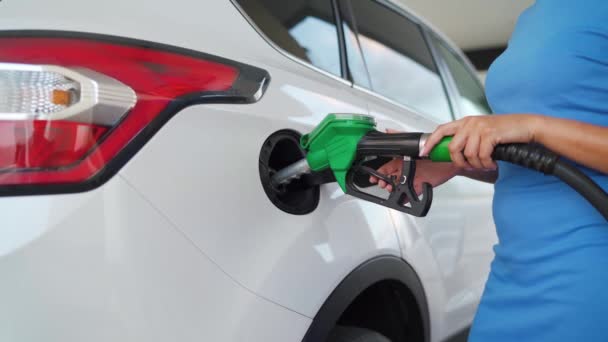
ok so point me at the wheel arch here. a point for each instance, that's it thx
(369, 273)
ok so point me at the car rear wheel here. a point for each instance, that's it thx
(353, 334)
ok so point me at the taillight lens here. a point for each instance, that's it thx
(69, 107)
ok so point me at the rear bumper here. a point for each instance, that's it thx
(106, 266)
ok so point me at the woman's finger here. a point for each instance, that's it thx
(459, 160)
(456, 148)
(486, 147)
(471, 151)
(389, 167)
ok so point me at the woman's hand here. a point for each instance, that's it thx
(476, 136)
(426, 172)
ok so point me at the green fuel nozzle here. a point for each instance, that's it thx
(344, 143)
(352, 148)
(441, 152)
(333, 143)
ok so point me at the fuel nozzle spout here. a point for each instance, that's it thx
(290, 173)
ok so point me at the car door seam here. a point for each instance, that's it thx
(205, 255)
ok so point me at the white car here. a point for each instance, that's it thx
(136, 143)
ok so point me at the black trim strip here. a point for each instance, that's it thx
(461, 336)
(483, 58)
(450, 91)
(341, 42)
(371, 272)
(249, 87)
(348, 18)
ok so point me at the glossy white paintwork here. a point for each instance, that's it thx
(183, 245)
(108, 266)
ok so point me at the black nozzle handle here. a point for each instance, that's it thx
(389, 145)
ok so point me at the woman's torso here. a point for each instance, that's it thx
(557, 65)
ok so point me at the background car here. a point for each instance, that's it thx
(137, 141)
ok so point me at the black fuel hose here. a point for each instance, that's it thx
(543, 160)
(532, 156)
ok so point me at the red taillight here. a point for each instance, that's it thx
(72, 105)
(45, 144)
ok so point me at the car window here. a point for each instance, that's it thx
(399, 60)
(304, 28)
(472, 98)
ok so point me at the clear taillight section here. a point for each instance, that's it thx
(51, 116)
(72, 110)
(30, 91)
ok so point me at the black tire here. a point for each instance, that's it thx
(352, 334)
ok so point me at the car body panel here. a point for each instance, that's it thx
(183, 243)
(107, 266)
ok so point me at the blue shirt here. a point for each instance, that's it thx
(549, 278)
